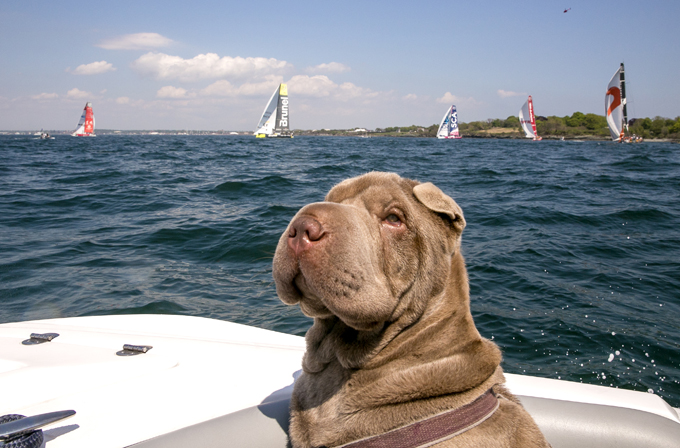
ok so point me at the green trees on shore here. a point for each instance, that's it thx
(576, 125)
(658, 127)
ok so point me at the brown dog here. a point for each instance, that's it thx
(378, 266)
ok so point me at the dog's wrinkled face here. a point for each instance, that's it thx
(360, 254)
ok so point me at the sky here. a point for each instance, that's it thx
(212, 65)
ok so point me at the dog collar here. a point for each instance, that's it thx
(435, 429)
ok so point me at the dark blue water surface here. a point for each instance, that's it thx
(573, 248)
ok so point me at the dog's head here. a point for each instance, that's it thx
(377, 248)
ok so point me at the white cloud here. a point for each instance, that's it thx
(94, 68)
(78, 94)
(410, 97)
(138, 41)
(225, 88)
(205, 66)
(173, 93)
(331, 67)
(507, 94)
(449, 98)
(321, 86)
(122, 100)
(45, 96)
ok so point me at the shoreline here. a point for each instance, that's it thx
(340, 133)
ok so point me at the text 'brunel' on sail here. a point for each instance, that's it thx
(275, 118)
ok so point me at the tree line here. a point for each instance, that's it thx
(578, 124)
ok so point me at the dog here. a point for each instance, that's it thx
(378, 266)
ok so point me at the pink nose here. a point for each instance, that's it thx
(304, 232)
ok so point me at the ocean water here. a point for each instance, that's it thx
(573, 248)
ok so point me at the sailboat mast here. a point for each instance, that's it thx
(622, 80)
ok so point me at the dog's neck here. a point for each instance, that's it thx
(443, 331)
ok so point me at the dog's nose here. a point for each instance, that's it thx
(303, 233)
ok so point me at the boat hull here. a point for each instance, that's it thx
(272, 136)
(205, 381)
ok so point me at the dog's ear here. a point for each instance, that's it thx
(435, 199)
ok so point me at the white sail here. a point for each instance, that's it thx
(525, 121)
(448, 128)
(266, 124)
(443, 131)
(528, 120)
(613, 106)
(80, 128)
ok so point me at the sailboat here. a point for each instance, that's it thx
(528, 120)
(86, 124)
(615, 108)
(448, 128)
(274, 120)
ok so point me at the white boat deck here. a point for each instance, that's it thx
(198, 369)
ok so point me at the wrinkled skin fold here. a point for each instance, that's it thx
(378, 265)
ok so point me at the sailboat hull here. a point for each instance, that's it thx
(272, 136)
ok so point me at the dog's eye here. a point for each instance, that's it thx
(392, 219)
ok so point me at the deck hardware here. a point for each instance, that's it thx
(19, 431)
(39, 338)
(132, 350)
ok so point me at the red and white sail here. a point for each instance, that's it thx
(85, 126)
(528, 120)
(614, 104)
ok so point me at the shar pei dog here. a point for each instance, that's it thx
(393, 357)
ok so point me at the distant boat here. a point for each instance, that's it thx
(42, 135)
(616, 110)
(528, 120)
(86, 124)
(274, 120)
(448, 128)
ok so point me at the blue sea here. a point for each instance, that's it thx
(573, 248)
